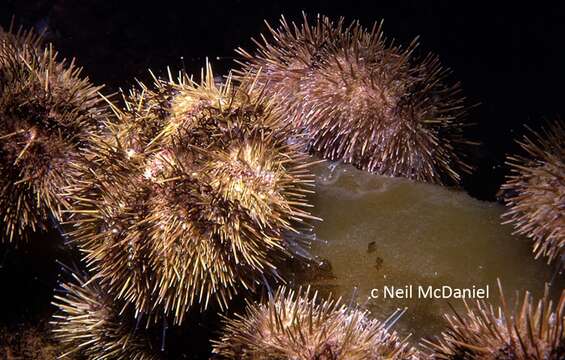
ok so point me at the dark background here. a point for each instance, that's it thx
(509, 57)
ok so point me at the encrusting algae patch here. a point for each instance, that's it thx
(388, 234)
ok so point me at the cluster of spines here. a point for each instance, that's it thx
(364, 101)
(536, 191)
(189, 196)
(296, 325)
(47, 112)
(89, 325)
(532, 331)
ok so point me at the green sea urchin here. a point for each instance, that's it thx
(295, 325)
(362, 100)
(530, 332)
(536, 191)
(190, 197)
(47, 111)
(89, 324)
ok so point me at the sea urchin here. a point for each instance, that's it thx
(47, 111)
(297, 326)
(89, 324)
(530, 332)
(362, 100)
(536, 191)
(190, 197)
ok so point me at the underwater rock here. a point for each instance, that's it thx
(30, 343)
(424, 235)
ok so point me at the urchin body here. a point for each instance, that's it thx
(297, 326)
(536, 191)
(188, 199)
(364, 101)
(47, 112)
